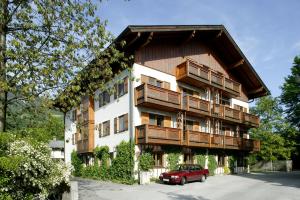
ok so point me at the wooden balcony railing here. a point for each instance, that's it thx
(150, 134)
(83, 146)
(195, 105)
(197, 74)
(232, 86)
(156, 97)
(197, 139)
(232, 114)
(250, 119)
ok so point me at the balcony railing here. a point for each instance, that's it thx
(150, 134)
(250, 119)
(196, 74)
(195, 105)
(83, 146)
(156, 97)
(232, 114)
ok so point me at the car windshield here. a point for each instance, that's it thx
(183, 167)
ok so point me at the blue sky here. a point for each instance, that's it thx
(267, 31)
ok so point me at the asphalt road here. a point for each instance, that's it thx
(255, 186)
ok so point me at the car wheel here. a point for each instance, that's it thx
(202, 179)
(183, 181)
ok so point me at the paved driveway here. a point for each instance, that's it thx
(254, 186)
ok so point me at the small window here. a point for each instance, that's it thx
(73, 115)
(152, 119)
(225, 101)
(104, 98)
(121, 123)
(156, 120)
(106, 128)
(189, 125)
(158, 159)
(152, 81)
(160, 120)
(159, 83)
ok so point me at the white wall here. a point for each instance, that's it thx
(70, 128)
(240, 103)
(115, 108)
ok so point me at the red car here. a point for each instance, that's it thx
(185, 173)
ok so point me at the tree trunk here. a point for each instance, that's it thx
(3, 32)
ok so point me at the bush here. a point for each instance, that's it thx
(76, 163)
(201, 160)
(226, 170)
(173, 160)
(123, 165)
(212, 164)
(102, 153)
(27, 171)
(146, 161)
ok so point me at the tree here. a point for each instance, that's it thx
(44, 43)
(273, 131)
(290, 95)
(290, 98)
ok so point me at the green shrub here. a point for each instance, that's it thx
(102, 153)
(212, 164)
(146, 161)
(123, 165)
(201, 159)
(173, 160)
(226, 170)
(77, 164)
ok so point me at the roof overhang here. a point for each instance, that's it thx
(215, 36)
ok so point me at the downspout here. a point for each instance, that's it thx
(131, 118)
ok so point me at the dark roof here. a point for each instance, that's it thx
(56, 144)
(216, 35)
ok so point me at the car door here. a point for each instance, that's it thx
(192, 173)
(197, 172)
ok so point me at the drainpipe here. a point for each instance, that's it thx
(131, 117)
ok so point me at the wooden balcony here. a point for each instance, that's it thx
(193, 73)
(155, 97)
(197, 139)
(251, 120)
(195, 106)
(83, 146)
(251, 145)
(150, 134)
(227, 113)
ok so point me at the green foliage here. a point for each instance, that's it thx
(173, 160)
(77, 164)
(226, 170)
(146, 161)
(201, 159)
(123, 165)
(231, 163)
(273, 131)
(291, 93)
(212, 164)
(102, 153)
(27, 171)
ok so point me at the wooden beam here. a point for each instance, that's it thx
(138, 35)
(150, 36)
(237, 64)
(191, 36)
(256, 90)
(219, 34)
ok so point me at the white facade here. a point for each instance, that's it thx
(70, 129)
(57, 154)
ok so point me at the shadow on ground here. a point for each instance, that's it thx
(185, 197)
(290, 179)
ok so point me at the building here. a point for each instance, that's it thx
(191, 91)
(57, 149)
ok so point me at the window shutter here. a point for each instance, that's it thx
(144, 79)
(100, 130)
(166, 85)
(116, 91)
(116, 125)
(145, 118)
(126, 121)
(196, 126)
(125, 85)
(73, 142)
(108, 128)
(167, 121)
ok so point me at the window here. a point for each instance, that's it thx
(121, 123)
(158, 159)
(104, 129)
(157, 120)
(225, 101)
(104, 98)
(221, 160)
(121, 88)
(73, 115)
(73, 139)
